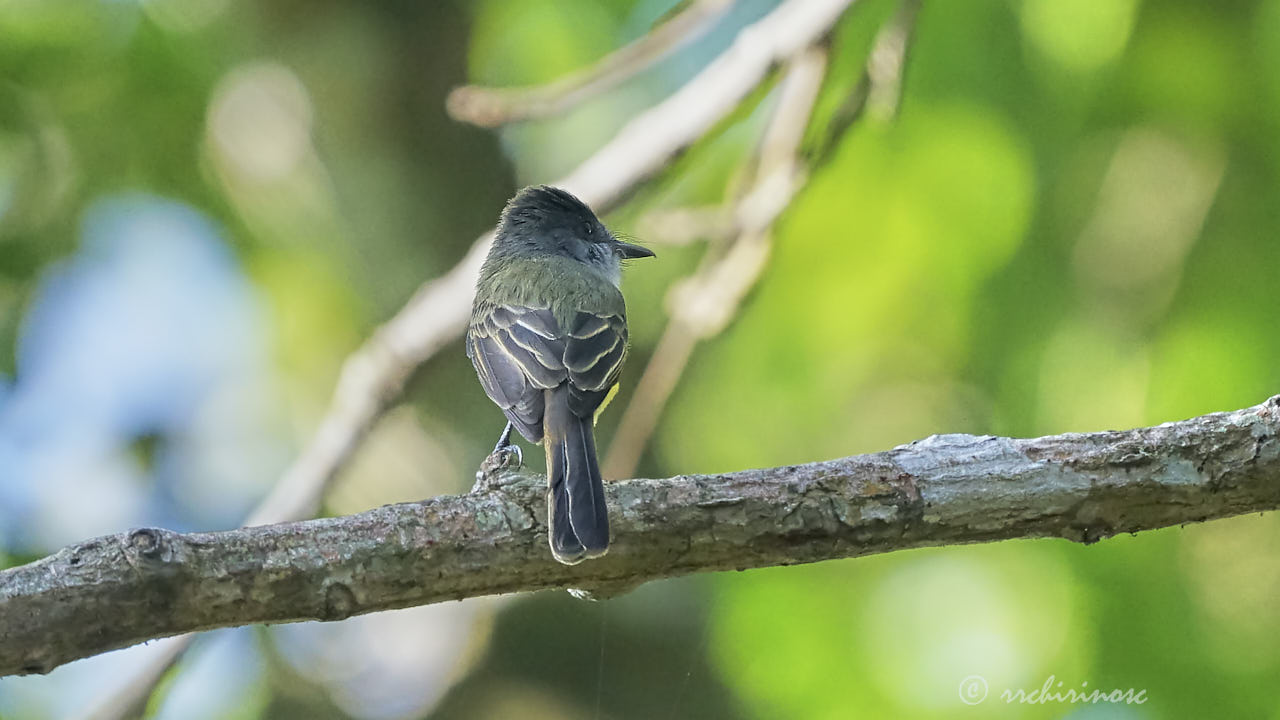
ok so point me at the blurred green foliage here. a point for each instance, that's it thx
(1073, 224)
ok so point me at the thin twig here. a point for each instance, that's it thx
(117, 590)
(886, 67)
(882, 77)
(491, 107)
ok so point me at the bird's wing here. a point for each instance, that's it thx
(518, 352)
(595, 347)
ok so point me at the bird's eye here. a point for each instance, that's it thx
(589, 229)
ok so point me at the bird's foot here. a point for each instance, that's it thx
(490, 475)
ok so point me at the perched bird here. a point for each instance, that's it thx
(547, 337)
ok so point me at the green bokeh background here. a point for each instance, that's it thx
(1073, 224)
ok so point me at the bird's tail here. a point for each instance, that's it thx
(578, 518)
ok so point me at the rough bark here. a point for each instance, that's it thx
(118, 590)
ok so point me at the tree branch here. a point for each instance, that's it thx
(114, 591)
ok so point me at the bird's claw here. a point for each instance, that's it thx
(502, 459)
(510, 457)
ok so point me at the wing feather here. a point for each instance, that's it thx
(595, 350)
(519, 352)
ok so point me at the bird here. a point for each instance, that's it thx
(547, 338)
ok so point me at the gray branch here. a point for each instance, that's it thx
(118, 590)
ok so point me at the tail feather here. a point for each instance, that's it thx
(579, 519)
(564, 541)
(585, 485)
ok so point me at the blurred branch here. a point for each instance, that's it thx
(702, 305)
(118, 590)
(684, 225)
(371, 379)
(491, 107)
(887, 64)
(880, 85)
(374, 376)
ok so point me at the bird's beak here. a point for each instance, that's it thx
(630, 251)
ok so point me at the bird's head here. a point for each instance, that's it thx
(545, 220)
